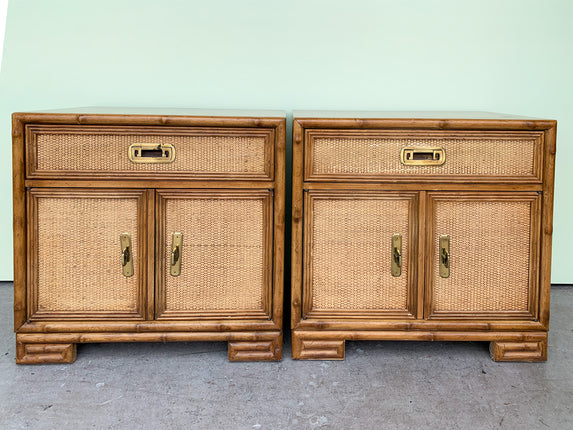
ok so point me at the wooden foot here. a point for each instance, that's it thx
(260, 350)
(519, 351)
(317, 349)
(44, 353)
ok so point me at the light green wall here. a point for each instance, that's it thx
(511, 56)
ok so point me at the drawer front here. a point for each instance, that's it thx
(431, 155)
(350, 250)
(215, 254)
(192, 153)
(76, 265)
(488, 264)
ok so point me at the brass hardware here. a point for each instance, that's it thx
(423, 156)
(176, 244)
(151, 153)
(445, 256)
(126, 254)
(396, 267)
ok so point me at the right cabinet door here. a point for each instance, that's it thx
(482, 255)
(214, 254)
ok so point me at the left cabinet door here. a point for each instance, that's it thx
(87, 250)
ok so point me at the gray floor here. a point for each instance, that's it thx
(381, 385)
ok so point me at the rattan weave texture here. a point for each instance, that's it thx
(222, 254)
(464, 156)
(489, 255)
(352, 251)
(79, 254)
(85, 152)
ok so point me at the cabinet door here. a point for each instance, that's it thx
(482, 253)
(353, 266)
(79, 266)
(214, 254)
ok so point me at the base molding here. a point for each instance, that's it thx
(504, 346)
(40, 348)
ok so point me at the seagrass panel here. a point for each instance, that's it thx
(499, 154)
(490, 255)
(349, 246)
(210, 152)
(77, 268)
(225, 257)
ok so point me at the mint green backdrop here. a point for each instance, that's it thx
(511, 56)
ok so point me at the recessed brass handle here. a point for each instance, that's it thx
(423, 156)
(396, 265)
(126, 254)
(151, 153)
(176, 247)
(445, 256)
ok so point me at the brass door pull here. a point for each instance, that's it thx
(423, 156)
(444, 256)
(151, 153)
(176, 243)
(396, 266)
(126, 254)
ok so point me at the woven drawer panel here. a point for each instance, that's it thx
(489, 256)
(471, 156)
(222, 258)
(352, 254)
(78, 257)
(85, 152)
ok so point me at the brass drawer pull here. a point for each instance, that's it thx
(176, 246)
(423, 156)
(151, 153)
(445, 256)
(126, 254)
(396, 267)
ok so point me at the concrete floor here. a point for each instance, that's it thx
(381, 385)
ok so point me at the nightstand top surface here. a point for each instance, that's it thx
(407, 114)
(96, 110)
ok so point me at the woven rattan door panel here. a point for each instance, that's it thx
(226, 264)
(76, 269)
(348, 254)
(202, 153)
(492, 255)
(467, 155)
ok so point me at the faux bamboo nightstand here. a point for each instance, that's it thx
(133, 225)
(421, 226)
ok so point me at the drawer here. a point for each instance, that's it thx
(221, 153)
(411, 155)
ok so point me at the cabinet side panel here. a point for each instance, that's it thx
(19, 214)
(278, 236)
(547, 223)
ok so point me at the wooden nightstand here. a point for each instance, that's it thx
(421, 226)
(139, 226)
